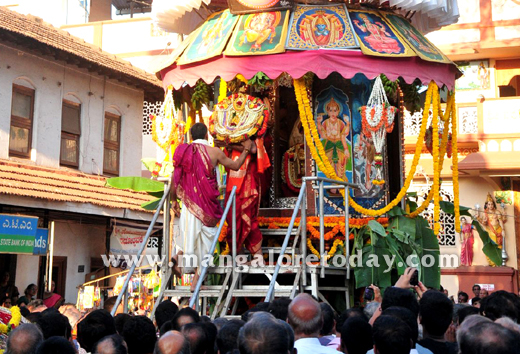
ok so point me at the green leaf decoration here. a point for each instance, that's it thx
(428, 245)
(138, 184)
(151, 205)
(373, 267)
(377, 228)
(396, 211)
(449, 208)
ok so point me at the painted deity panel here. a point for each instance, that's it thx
(376, 37)
(211, 38)
(363, 147)
(260, 33)
(475, 76)
(422, 46)
(252, 6)
(314, 27)
(333, 121)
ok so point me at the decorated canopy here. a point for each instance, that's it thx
(309, 38)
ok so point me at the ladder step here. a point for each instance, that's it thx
(268, 269)
(184, 291)
(277, 232)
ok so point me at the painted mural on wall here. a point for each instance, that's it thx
(376, 37)
(333, 120)
(259, 33)
(211, 38)
(467, 240)
(314, 27)
(250, 6)
(420, 45)
(476, 76)
(492, 220)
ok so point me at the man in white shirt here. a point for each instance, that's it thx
(306, 319)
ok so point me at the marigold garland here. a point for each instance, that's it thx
(317, 150)
(435, 154)
(222, 90)
(14, 322)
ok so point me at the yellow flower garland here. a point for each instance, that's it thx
(317, 150)
(16, 317)
(435, 154)
(222, 90)
(332, 251)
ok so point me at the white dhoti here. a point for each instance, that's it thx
(194, 239)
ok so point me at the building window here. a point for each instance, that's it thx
(111, 147)
(70, 133)
(22, 111)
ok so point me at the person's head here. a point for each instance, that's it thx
(463, 298)
(120, 320)
(95, 326)
(71, 312)
(33, 304)
(172, 342)
(260, 307)
(329, 320)
(475, 303)
(198, 337)
(264, 334)
(110, 303)
(499, 304)
(52, 323)
(7, 303)
(211, 334)
(228, 335)
(509, 324)
(184, 316)
(305, 316)
(167, 326)
(436, 312)
(31, 290)
(463, 220)
(113, 344)
(400, 297)
(139, 334)
(24, 339)
(56, 345)
(220, 322)
(356, 336)
(279, 308)
(5, 278)
(465, 312)
(370, 308)
(490, 203)
(489, 338)
(165, 312)
(407, 317)
(24, 312)
(391, 335)
(483, 293)
(199, 131)
(476, 290)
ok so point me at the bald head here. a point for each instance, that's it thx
(305, 316)
(24, 339)
(172, 342)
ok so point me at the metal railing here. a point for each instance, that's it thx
(164, 198)
(230, 203)
(300, 206)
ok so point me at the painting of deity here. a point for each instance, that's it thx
(333, 121)
(422, 46)
(211, 38)
(252, 6)
(363, 146)
(314, 27)
(376, 36)
(475, 76)
(259, 33)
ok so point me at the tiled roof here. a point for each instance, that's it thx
(65, 186)
(35, 32)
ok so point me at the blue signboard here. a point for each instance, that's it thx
(17, 233)
(18, 225)
(41, 242)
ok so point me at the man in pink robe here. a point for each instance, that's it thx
(195, 183)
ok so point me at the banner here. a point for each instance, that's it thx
(41, 242)
(127, 240)
(17, 233)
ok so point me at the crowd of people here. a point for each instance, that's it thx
(404, 319)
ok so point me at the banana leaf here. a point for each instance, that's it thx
(430, 276)
(151, 205)
(138, 184)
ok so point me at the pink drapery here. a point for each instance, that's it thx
(320, 62)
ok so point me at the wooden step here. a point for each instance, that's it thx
(184, 291)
